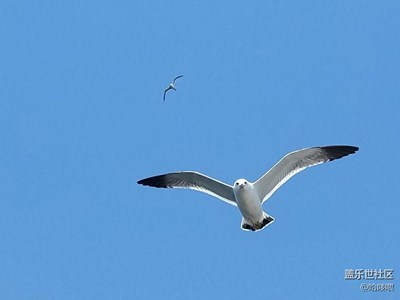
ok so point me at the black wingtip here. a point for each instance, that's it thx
(335, 152)
(155, 181)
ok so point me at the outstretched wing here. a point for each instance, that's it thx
(166, 90)
(295, 162)
(177, 77)
(195, 181)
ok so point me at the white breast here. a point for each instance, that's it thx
(248, 202)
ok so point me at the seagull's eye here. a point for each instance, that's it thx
(237, 183)
(245, 182)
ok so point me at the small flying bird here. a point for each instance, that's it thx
(249, 196)
(171, 86)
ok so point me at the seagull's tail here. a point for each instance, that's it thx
(267, 220)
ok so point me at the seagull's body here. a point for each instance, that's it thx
(248, 196)
(171, 86)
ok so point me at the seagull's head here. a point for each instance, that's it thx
(240, 184)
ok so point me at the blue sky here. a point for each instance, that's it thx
(82, 119)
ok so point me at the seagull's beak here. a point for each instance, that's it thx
(241, 185)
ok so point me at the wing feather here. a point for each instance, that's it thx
(195, 181)
(295, 162)
(177, 77)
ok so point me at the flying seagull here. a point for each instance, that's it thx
(249, 196)
(171, 86)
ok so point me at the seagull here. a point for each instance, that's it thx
(171, 86)
(249, 196)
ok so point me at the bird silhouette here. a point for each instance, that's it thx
(171, 86)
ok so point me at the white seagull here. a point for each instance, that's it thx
(249, 196)
(171, 86)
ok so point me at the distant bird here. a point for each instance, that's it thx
(171, 86)
(249, 196)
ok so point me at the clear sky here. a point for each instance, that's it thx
(82, 119)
